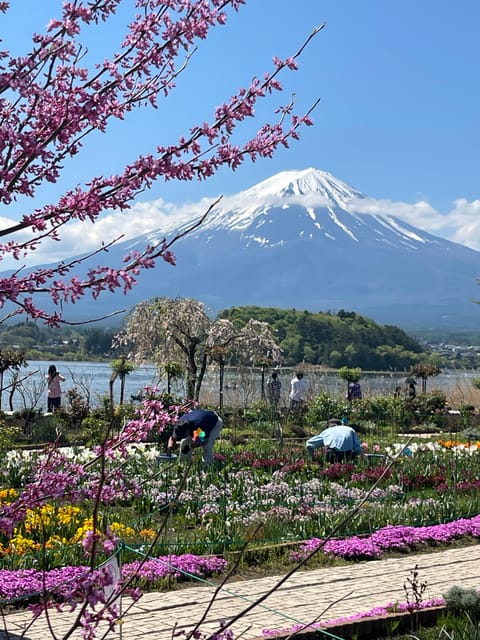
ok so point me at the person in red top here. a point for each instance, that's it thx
(54, 398)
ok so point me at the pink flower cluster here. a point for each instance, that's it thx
(63, 584)
(56, 476)
(391, 538)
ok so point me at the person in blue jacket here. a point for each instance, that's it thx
(340, 441)
(197, 428)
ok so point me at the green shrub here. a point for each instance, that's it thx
(94, 429)
(323, 407)
(382, 410)
(47, 429)
(425, 427)
(259, 412)
(76, 408)
(8, 434)
(430, 407)
(460, 600)
(25, 419)
(472, 434)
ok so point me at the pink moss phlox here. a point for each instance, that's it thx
(175, 566)
(72, 584)
(392, 538)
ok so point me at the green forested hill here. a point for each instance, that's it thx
(331, 340)
(344, 339)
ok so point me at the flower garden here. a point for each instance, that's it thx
(67, 511)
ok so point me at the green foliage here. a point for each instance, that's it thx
(399, 412)
(122, 367)
(98, 341)
(343, 340)
(425, 370)
(174, 370)
(463, 600)
(429, 407)
(94, 429)
(11, 359)
(39, 342)
(382, 409)
(350, 374)
(98, 423)
(24, 420)
(259, 412)
(76, 408)
(47, 429)
(8, 434)
(460, 627)
(323, 407)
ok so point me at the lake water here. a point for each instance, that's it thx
(242, 387)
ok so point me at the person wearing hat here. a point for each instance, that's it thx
(339, 439)
(197, 428)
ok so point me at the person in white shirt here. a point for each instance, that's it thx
(298, 390)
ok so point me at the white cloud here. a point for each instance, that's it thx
(461, 224)
(464, 220)
(82, 237)
(420, 214)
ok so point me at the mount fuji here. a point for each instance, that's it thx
(297, 240)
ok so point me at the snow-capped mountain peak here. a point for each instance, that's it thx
(309, 188)
(304, 182)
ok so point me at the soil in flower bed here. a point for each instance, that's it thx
(434, 633)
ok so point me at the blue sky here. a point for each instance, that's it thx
(398, 118)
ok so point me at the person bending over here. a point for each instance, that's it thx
(197, 428)
(340, 440)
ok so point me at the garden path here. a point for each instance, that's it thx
(306, 596)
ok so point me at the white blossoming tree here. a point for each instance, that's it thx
(259, 347)
(222, 343)
(166, 330)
